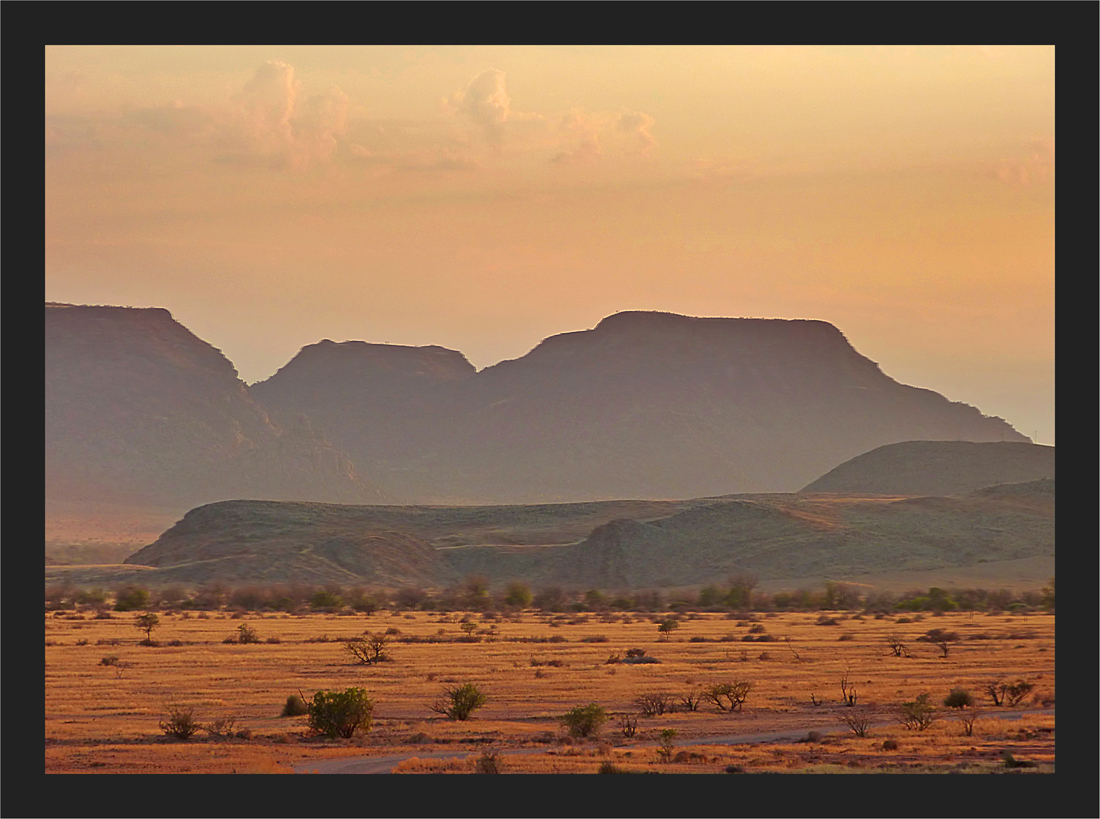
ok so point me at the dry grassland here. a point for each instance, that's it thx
(105, 719)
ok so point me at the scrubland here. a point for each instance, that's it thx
(106, 694)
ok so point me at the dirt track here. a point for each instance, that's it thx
(386, 764)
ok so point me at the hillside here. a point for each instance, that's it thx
(140, 411)
(938, 468)
(644, 405)
(601, 545)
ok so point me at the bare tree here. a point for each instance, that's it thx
(968, 716)
(858, 721)
(654, 703)
(847, 689)
(897, 646)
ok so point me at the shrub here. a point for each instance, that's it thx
(1015, 692)
(628, 724)
(227, 728)
(729, 696)
(665, 748)
(459, 703)
(340, 713)
(131, 598)
(959, 698)
(180, 723)
(247, 634)
(1008, 693)
(518, 595)
(654, 703)
(325, 599)
(919, 714)
(584, 720)
(858, 721)
(690, 701)
(609, 767)
(488, 763)
(369, 649)
(294, 706)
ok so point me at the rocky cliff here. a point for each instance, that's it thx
(140, 410)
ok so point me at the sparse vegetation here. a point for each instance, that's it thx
(668, 735)
(340, 713)
(488, 763)
(147, 622)
(180, 723)
(238, 684)
(959, 698)
(131, 598)
(729, 696)
(858, 721)
(918, 714)
(628, 724)
(654, 703)
(584, 720)
(1010, 694)
(666, 627)
(460, 703)
(294, 706)
(368, 649)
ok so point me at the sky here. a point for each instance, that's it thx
(484, 198)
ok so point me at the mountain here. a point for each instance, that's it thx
(938, 468)
(141, 411)
(645, 405)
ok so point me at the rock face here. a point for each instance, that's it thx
(645, 405)
(938, 468)
(140, 410)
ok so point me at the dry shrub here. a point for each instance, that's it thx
(180, 723)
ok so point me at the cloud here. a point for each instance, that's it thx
(265, 106)
(269, 124)
(637, 124)
(175, 119)
(591, 137)
(486, 102)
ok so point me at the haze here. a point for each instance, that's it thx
(483, 198)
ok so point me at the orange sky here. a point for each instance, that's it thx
(483, 198)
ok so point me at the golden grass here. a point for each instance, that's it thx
(98, 720)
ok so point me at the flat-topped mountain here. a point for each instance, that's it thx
(385, 401)
(644, 405)
(938, 468)
(140, 410)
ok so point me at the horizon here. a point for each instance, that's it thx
(483, 199)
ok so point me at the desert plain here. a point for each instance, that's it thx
(106, 694)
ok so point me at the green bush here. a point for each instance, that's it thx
(459, 703)
(584, 720)
(340, 713)
(131, 598)
(919, 714)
